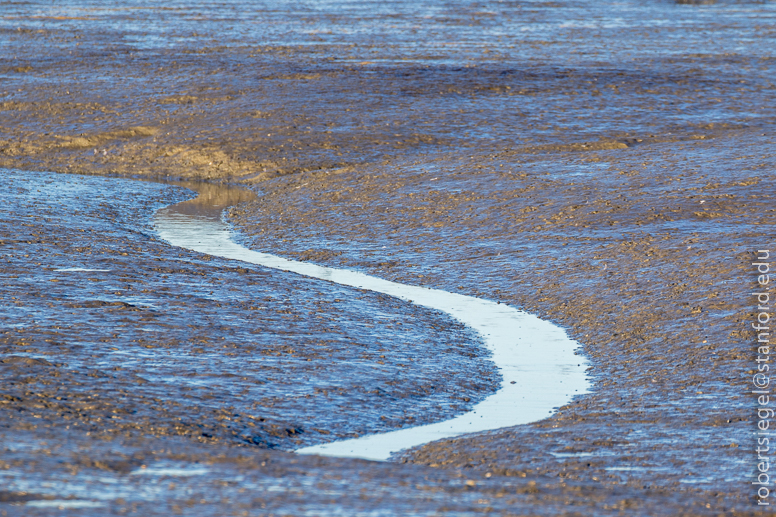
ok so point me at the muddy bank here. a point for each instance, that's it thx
(605, 166)
(108, 329)
(254, 91)
(67, 473)
(131, 390)
(644, 254)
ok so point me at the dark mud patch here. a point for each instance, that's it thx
(171, 343)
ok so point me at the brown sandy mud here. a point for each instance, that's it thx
(643, 274)
(606, 166)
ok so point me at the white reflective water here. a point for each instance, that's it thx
(536, 359)
(170, 471)
(63, 504)
(79, 270)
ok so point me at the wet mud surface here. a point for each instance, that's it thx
(643, 270)
(253, 90)
(163, 341)
(608, 167)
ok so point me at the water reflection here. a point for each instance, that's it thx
(536, 359)
(211, 200)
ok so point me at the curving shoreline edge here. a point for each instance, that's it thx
(538, 362)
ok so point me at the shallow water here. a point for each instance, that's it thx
(234, 89)
(89, 290)
(536, 359)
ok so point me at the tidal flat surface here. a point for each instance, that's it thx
(539, 365)
(108, 326)
(607, 166)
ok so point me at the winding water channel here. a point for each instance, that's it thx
(538, 362)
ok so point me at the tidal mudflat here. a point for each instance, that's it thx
(539, 365)
(605, 166)
(110, 333)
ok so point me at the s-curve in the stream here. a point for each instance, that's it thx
(536, 359)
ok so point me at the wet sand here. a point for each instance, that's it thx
(648, 283)
(608, 168)
(539, 365)
(235, 353)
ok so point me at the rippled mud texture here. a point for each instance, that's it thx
(73, 474)
(163, 341)
(606, 165)
(643, 254)
(253, 90)
(128, 392)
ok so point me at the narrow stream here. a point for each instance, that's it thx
(536, 359)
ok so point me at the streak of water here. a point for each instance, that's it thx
(540, 368)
